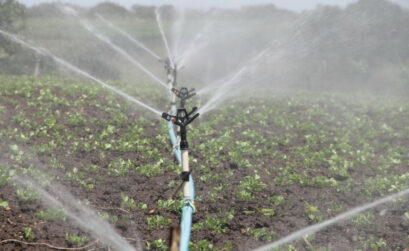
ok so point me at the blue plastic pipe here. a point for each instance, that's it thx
(176, 148)
(186, 223)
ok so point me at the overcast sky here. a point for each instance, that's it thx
(296, 5)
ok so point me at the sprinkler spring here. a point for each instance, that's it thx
(182, 119)
(184, 94)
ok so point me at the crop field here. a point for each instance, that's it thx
(302, 143)
(264, 168)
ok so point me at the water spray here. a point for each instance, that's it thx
(342, 217)
(123, 33)
(82, 215)
(106, 40)
(165, 41)
(196, 44)
(73, 68)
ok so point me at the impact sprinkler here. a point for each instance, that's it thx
(171, 70)
(183, 94)
(183, 119)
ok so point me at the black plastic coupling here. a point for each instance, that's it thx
(184, 145)
(185, 176)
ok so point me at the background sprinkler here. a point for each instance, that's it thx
(171, 70)
(184, 94)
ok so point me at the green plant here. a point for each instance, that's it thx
(261, 234)
(52, 214)
(76, 239)
(170, 205)
(312, 212)
(364, 219)
(216, 225)
(157, 222)
(28, 234)
(372, 243)
(266, 211)
(157, 245)
(120, 168)
(127, 202)
(27, 194)
(336, 208)
(244, 195)
(202, 245)
(4, 204)
(150, 170)
(252, 183)
(142, 206)
(277, 200)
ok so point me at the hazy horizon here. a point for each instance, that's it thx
(294, 5)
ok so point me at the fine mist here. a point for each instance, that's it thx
(80, 214)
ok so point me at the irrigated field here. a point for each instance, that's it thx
(263, 167)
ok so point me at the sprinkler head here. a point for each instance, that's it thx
(167, 64)
(182, 119)
(183, 94)
(171, 69)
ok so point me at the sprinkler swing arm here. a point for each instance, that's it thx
(183, 94)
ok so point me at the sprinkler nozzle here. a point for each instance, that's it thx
(166, 116)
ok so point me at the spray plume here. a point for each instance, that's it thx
(228, 83)
(178, 25)
(106, 40)
(77, 70)
(123, 33)
(193, 46)
(342, 217)
(80, 214)
(223, 85)
(165, 41)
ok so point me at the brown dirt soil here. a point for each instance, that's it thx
(106, 194)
